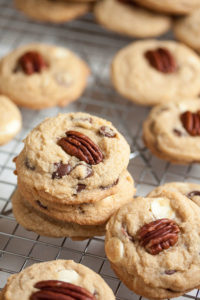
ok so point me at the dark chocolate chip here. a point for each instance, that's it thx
(170, 272)
(41, 205)
(107, 131)
(61, 170)
(28, 165)
(193, 193)
(110, 185)
(81, 210)
(80, 187)
(177, 132)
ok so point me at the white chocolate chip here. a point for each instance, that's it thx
(161, 208)
(70, 276)
(61, 53)
(63, 79)
(114, 250)
(11, 127)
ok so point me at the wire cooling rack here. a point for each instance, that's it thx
(20, 248)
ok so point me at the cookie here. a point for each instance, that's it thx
(151, 72)
(171, 6)
(154, 244)
(189, 190)
(58, 11)
(38, 76)
(96, 213)
(127, 18)
(11, 120)
(167, 133)
(57, 279)
(72, 158)
(187, 30)
(38, 222)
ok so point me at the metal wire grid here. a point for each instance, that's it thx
(20, 248)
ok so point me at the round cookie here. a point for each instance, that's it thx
(88, 213)
(38, 76)
(63, 276)
(130, 19)
(153, 245)
(58, 11)
(52, 166)
(150, 72)
(187, 30)
(11, 120)
(190, 190)
(35, 221)
(167, 135)
(171, 6)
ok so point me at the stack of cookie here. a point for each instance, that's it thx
(72, 176)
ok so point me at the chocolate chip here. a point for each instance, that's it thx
(61, 170)
(80, 187)
(170, 272)
(193, 193)
(177, 132)
(81, 210)
(87, 169)
(28, 165)
(41, 205)
(107, 131)
(110, 185)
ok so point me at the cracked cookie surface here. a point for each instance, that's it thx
(166, 134)
(175, 268)
(136, 76)
(81, 182)
(21, 285)
(61, 81)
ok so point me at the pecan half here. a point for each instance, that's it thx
(59, 290)
(193, 194)
(191, 122)
(158, 235)
(162, 60)
(79, 145)
(32, 62)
